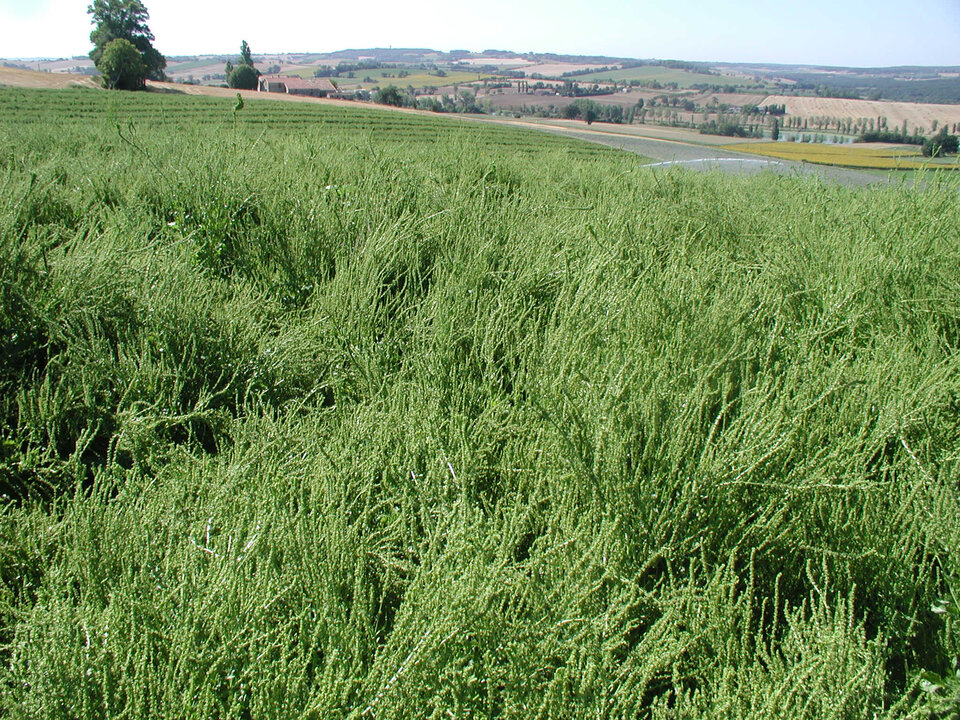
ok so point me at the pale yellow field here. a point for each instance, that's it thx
(876, 156)
(730, 99)
(14, 77)
(501, 62)
(557, 69)
(916, 114)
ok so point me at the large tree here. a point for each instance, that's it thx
(244, 76)
(121, 65)
(941, 144)
(125, 20)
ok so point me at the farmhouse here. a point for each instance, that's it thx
(292, 85)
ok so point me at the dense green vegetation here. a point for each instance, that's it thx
(730, 129)
(324, 412)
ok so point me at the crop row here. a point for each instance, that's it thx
(77, 107)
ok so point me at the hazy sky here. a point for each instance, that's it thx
(827, 32)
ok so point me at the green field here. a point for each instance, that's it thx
(416, 77)
(187, 66)
(165, 115)
(320, 412)
(661, 74)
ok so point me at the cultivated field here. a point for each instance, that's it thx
(502, 62)
(416, 79)
(555, 69)
(919, 115)
(664, 75)
(201, 67)
(326, 412)
(873, 156)
(16, 78)
(739, 99)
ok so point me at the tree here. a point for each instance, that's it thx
(390, 95)
(940, 144)
(246, 58)
(125, 20)
(121, 65)
(775, 132)
(243, 77)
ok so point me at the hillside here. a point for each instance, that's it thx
(811, 103)
(313, 411)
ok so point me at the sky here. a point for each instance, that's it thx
(859, 33)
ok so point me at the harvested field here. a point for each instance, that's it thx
(558, 69)
(14, 77)
(740, 99)
(919, 115)
(499, 62)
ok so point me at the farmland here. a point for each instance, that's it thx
(76, 107)
(314, 411)
(14, 77)
(663, 75)
(895, 157)
(916, 115)
(404, 77)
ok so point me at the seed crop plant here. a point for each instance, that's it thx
(311, 411)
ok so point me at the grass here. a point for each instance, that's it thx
(329, 418)
(891, 158)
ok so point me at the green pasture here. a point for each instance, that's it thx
(418, 80)
(682, 78)
(391, 76)
(321, 412)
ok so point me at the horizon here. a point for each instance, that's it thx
(856, 35)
